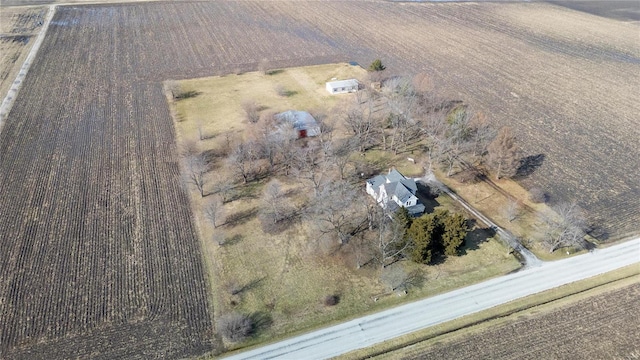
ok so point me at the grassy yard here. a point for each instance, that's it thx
(493, 202)
(217, 107)
(282, 278)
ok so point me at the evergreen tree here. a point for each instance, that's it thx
(422, 233)
(455, 230)
(439, 217)
(376, 65)
(403, 217)
(437, 233)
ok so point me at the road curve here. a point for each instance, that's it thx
(372, 329)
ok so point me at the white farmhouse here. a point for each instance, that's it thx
(394, 191)
(342, 86)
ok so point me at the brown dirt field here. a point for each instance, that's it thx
(12, 3)
(98, 227)
(19, 27)
(600, 327)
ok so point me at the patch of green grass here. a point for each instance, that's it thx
(289, 93)
(274, 72)
(382, 161)
(186, 94)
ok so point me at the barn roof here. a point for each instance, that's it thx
(301, 120)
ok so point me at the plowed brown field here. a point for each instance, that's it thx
(99, 252)
(601, 327)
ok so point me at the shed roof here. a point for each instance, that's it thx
(343, 83)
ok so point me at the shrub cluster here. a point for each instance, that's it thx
(236, 327)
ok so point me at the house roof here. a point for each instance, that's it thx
(396, 184)
(410, 184)
(417, 209)
(376, 181)
(401, 192)
(395, 175)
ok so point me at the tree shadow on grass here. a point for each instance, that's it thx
(476, 237)
(233, 240)
(272, 228)
(262, 320)
(529, 164)
(599, 232)
(186, 95)
(241, 217)
(254, 284)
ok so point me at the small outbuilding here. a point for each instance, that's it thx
(304, 124)
(342, 86)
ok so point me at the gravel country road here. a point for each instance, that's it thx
(372, 329)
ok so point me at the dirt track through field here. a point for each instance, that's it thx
(95, 228)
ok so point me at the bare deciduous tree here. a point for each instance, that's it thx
(310, 165)
(219, 237)
(361, 249)
(512, 210)
(335, 211)
(214, 211)
(268, 139)
(402, 101)
(274, 206)
(196, 172)
(504, 153)
(359, 119)
(251, 110)
(565, 229)
(173, 87)
(391, 242)
(537, 195)
(339, 154)
(397, 278)
(189, 148)
(265, 66)
(483, 134)
(223, 185)
(242, 160)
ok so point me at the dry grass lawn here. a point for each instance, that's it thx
(218, 105)
(285, 276)
(493, 203)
